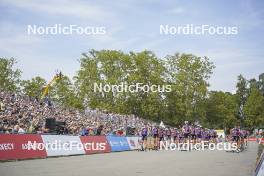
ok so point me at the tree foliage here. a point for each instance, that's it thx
(33, 87)
(9, 76)
(221, 110)
(254, 109)
(189, 98)
(187, 74)
(63, 92)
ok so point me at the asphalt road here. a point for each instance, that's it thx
(134, 163)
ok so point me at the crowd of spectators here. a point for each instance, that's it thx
(21, 114)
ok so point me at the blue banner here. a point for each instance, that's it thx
(118, 143)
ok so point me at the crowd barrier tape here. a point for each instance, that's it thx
(13, 146)
(133, 142)
(117, 143)
(95, 144)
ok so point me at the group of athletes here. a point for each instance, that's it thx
(239, 136)
(193, 133)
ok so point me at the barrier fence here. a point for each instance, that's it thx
(16, 147)
(26, 146)
(254, 139)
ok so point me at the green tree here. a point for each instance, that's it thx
(254, 109)
(242, 94)
(253, 83)
(64, 93)
(261, 83)
(9, 76)
(114, 68)
(102, 67)
(189, 76)
(33, 87)
(149, 70)
(221, 110)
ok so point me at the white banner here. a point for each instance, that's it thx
(58, 145)
(133, 143)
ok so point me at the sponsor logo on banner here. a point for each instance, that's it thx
(118, 143)
(16, 146)
(58, 145)
(133, 143)
(95, 144)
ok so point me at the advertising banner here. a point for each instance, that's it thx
(133, 143)
(95, 144)
(58, 145)
(17, 146)
(118, 143)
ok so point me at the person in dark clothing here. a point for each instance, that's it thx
(99, 130)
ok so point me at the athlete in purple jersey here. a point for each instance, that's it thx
(174, 134)
(181, 136)
(235, 132)
(206, 135)
(213, 135)
(198, 133)
(168, 134)
(186, 130)
(161, 137)
(155, 133)
(144, 133)
(192, 133)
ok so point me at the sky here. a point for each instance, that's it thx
(134, 25)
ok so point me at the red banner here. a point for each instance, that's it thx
(260, 140)
(15, 146)
(252, 139)
(95, 144)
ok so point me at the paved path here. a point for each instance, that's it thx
(134, 163)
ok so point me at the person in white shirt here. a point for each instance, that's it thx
(21, 130)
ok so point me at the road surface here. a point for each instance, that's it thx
(134, 163)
